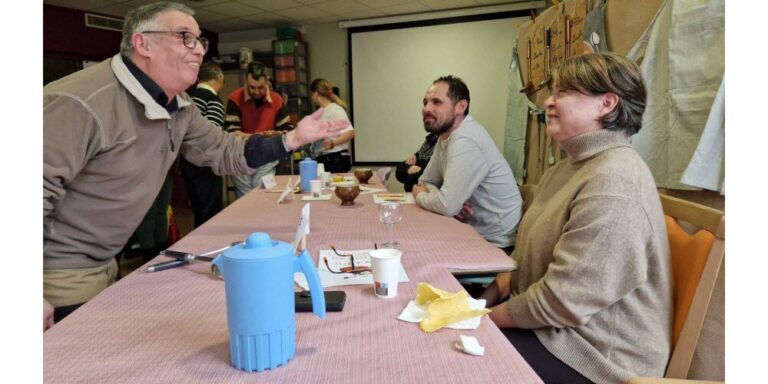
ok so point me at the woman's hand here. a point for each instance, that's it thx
(498, 290)
(500, 317)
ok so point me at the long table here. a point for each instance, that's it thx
(171, 326)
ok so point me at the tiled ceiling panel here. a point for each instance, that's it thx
(237, 15)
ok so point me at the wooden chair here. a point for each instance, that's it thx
(696, 262)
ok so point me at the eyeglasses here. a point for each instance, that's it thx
(350, 269)
(189, 39)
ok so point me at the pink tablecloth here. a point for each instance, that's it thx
(171, 326)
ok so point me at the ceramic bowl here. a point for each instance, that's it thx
(347, 192)
(363, 175)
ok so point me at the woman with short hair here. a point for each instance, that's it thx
(591, 300)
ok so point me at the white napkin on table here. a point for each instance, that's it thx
(366, 190)
(470, 346)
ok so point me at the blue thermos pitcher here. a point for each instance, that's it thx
(258, 279)
(307, 172)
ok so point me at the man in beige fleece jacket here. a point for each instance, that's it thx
(110, 134)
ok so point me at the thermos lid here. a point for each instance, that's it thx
(258, 245)
(307, 160)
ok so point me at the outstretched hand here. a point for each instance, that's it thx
(311, 129)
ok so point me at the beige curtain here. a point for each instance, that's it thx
(682, 55)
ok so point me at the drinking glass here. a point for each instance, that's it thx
(390, 213)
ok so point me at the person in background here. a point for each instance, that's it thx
(333, 152)
(467, 177)
(591, 300)
(254, 109)
(210, 80)
(110, 134)
(409, 171)
(203, 186)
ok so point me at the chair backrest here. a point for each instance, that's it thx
(528, 192)
(383, 174)
(696, 261)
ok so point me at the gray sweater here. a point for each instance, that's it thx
(469, 167)
(594, 278)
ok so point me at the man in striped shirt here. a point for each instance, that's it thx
(203, 186)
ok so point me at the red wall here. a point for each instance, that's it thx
(66, 36)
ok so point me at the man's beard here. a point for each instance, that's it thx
(439, 129)
(259, 101)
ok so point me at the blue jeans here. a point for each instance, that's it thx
(245, 183)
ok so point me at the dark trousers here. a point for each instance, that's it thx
(335, 162)
(61, 312)
(546, 365)
(204, 189)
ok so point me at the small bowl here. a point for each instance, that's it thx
(347, 192)
(363, 175)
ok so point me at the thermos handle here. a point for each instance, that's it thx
(304, 265)
(217, 266)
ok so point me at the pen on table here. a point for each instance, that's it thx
(176, 263)
(175, 254)
(184, 258)
(203, 256)
(166, 265)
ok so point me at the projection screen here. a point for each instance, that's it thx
(391, 70)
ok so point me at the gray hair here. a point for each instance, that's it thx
(143, 18)
(209, 71)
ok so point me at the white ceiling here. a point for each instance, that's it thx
(238, 15)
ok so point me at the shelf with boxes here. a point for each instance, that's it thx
(292, 75)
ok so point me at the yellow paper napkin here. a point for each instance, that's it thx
(438, 308)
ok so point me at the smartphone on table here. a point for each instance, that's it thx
(334, 301)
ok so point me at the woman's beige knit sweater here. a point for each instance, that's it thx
(594, 278)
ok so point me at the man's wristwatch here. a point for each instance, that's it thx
(285, 142)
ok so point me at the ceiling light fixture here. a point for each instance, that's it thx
(518, 6)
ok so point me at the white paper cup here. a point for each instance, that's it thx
(385, 264)
(316, 186)
(326, 177)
